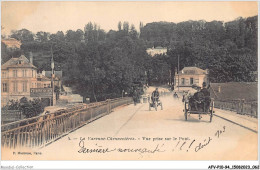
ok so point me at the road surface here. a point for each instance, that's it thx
(135, 133)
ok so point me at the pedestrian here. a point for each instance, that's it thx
(135, 96)
(175, 95)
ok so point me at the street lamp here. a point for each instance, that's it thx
(52, 76)
(178, 72)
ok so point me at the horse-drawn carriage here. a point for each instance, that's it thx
(155, 103)
(201, 105)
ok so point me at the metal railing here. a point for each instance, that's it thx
(238, 106)
(42, 130)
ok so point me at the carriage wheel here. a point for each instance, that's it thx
(211, 111)
(186, 111)
(211, 115)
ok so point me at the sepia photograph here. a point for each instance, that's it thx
(130, 81)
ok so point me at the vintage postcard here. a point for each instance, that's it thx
(140, 80)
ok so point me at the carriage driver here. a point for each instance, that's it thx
(205, 90)
(155, 94)
(206, 94)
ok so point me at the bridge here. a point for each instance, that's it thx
(119, 130)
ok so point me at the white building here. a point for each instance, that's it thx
(156, 51)
(189, 76)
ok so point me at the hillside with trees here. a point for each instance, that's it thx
(228, 50)
(100, 65)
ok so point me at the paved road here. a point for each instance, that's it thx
(135, 133)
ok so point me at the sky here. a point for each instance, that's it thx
(62, 16)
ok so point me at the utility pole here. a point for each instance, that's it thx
(52, 75)
(170, 77)
(178, 72)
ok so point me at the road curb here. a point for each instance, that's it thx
(236, 123)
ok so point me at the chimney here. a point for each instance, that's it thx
(31, 57)
(219, 88)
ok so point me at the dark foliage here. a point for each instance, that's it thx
(29, 108)
(101, 65)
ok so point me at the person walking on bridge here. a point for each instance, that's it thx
(155, 95)
(135, 96)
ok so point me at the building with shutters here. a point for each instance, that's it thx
(189, 76)
(18, 76)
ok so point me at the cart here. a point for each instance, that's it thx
(157, 103)
(203, 107)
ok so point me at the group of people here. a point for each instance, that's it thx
(198, 97)
(155, 96)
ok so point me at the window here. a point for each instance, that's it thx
(191, 81)
(14, 73)
(197, 81)
(4, 74)
(24, 73)
(34, 74)
(4, 87)
(24, 86)
(15, 88)
(183, 81)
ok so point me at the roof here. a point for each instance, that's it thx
(44, 78)
(192, 70)
(56, 73)
(12, 43)
(234, 91)
(14, 63)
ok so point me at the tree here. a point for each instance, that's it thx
(30, 108)
(22, 35)
(133, 32)
(8, 53)
(42, 36)
(119, 26)
(126, 27)
(89, 32)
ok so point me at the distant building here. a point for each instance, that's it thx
(12, 43)
(156, 51)
(43, 81)
(18, 76)
(57, 77)
(189, 76)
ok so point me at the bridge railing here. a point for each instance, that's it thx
(238, 106)
(42, 130)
